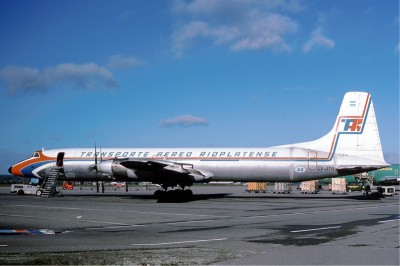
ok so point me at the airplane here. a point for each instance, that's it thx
(352, 146)
(384, 176)
(387, 176)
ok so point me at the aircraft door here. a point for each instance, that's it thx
(60, 159)
(312, 160)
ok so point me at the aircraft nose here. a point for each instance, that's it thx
(10, 170)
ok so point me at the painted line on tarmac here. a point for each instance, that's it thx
(387, 221)
(316, 229)
(71, 219)
(181, 242)
(150, 224)
(61, 219)
(124, 211)
(115, 227)
(317, 212)
(189, 222)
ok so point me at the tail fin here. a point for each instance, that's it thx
(355, 132)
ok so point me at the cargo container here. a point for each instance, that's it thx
(339, 185)
(283, 187)
(256, 187)
(309, 187)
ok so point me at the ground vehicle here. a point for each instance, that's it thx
(387, 191)
(68, 185)
(352, 186)
(22, 189)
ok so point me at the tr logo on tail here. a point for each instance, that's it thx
(352, 124)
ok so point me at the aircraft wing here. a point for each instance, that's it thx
(156, 171)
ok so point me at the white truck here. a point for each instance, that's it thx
(22, 189)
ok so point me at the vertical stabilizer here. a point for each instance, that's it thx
(355, 132)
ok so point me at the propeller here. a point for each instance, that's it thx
(95, 158)
(95, 166)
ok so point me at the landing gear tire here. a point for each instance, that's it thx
(177, 194)
(159, 193)
(188, 193)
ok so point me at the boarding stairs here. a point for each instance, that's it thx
(48, 186)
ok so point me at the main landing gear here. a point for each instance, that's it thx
(176, 194)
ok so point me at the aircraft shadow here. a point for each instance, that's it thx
(200, 197)
(195, 197)
(173, 199)
(333, 197)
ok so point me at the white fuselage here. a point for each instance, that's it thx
(226, 164)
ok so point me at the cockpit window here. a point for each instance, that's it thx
(35, 155)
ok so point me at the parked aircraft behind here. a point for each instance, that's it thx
(387, 176)
(352, 146)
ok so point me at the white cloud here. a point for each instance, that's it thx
(235, 7)
(318, 39)
(239, 25)
(184, 121)
(120, 62)
(18, 79)
(265, 31)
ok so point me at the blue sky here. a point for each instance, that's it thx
(191, 73)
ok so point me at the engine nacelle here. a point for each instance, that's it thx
(114, 168)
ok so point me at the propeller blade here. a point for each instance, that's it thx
(95, 153)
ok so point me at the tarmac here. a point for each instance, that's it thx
(220, 225)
